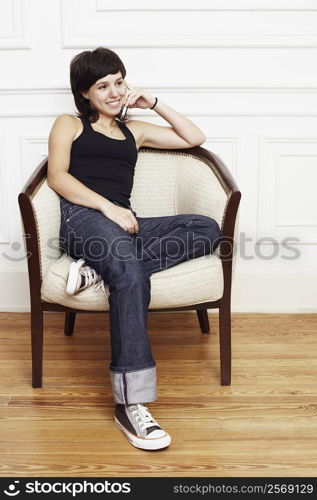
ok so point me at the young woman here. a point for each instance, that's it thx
(91, 164)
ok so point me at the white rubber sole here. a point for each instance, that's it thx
(73, 276)
(145, 443)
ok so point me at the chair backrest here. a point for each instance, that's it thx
(165, 183)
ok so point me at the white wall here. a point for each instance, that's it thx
(244, 70)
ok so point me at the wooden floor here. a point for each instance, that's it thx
(264, 424)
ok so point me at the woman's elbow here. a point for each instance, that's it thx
(50, 181)
(200, 140)
(53, 181)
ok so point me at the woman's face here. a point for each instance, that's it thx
(106, 94)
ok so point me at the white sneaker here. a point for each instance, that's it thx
(137, 423)
(80, 277)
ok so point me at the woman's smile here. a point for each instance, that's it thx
(113, 104)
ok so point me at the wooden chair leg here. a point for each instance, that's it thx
(203, 320)
(37, 347)
(69, 323)
(225, 341)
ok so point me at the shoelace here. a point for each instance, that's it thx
(142, 416)
(91, 277)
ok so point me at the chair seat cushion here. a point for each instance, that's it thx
(192, 282)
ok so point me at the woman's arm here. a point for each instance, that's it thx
(58, 178)
(183, 133)
(181, 126)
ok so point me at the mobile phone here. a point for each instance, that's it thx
(123, 112)
(124, 109)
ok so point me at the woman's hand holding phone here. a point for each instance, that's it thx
(137, 98)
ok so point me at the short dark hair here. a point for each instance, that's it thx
(85, 69)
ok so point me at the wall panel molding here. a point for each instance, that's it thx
(235, 102)
(33, 150)
(226, 148)
(216, 5)
(287, 205)
(14, 35)
(4, 226)
(38, 88)
(83, 25)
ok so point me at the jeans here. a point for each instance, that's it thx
(125, 262)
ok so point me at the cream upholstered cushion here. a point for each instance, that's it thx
(165, 183)
(195, 281)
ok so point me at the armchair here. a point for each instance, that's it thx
(166, 182)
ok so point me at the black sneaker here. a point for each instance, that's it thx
(137, 423)
(81, 277)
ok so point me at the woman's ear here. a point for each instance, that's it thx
(84, 94)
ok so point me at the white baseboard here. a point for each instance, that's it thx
(275, 292)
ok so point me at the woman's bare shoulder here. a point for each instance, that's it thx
(68, 125)
(79, 126)
(69, 118)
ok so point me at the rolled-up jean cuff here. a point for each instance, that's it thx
(134, 387)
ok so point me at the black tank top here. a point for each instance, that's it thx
(104, 164)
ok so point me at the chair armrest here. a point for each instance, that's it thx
(229, 227)
(36, 179)
(31, 237)
(229, 185)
